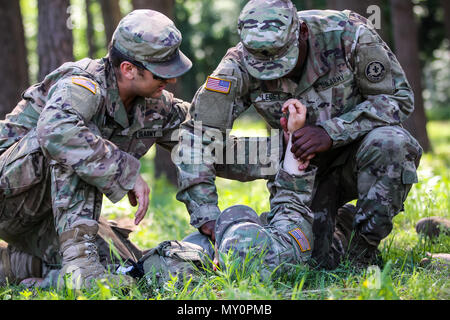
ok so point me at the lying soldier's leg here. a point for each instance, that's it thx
(172, 258)
(287, 239)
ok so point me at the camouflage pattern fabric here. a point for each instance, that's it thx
(354, 87)
(285, 241)
(149, 37)
(273, 53)
(70, 141)
(385, 165)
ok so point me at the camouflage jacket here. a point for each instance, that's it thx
(77, 119)
(351, 84)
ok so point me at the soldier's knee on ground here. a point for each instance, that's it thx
(81, 265)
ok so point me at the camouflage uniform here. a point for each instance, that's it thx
(353, 87)
(284, 241)
(70, 140)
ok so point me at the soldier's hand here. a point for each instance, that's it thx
(208, 229)
(310, 140)
(297, 114)
(139, 195)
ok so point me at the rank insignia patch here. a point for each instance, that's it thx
(375, 71)
(218, 85)
(301, 239)
(85, 83)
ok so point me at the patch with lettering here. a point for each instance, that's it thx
(301, 239)
(85, 83)
(331, 82)
(149, 133)
(375, 71)
(218, 85)
(272, 96)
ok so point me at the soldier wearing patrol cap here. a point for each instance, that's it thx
(356, 95)
(78, 135)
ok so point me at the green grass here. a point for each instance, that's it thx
(401, 277)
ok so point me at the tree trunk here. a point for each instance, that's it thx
(111, 17)
(90, 32)
(163, 161)
(446, 6)
(13, 64)
(164, 6)
(407, 51)
(55, 40)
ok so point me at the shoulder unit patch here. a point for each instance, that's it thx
(375, 71)
(218, 85)
(85, 83)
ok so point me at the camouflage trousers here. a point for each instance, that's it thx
(284, 242)
(40, 199)
(281, 240)
(286, 239)
(378, 171)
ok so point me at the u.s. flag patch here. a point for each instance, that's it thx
(301, 239)
(85, 83)
(218, 85)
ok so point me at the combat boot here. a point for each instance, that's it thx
(81, 263)
(16, 265)
(362, 253)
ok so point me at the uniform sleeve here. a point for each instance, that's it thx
(387, 96)
(67, 136)
(17, 124)
(212, 113)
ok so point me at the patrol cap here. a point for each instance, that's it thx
(151, 39)
(269, 31)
